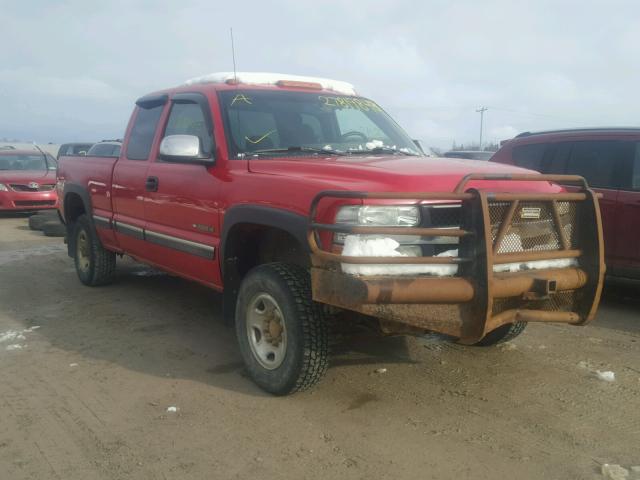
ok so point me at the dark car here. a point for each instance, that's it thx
(609, 158)
(469, 154)
(69, 149)
(106, 148)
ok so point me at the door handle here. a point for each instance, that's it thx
(151, 184)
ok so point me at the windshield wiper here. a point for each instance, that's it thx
(270, 151)
(381, 150)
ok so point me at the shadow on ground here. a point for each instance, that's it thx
(152, 322)
(621, 299)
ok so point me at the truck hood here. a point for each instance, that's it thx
(26, 176)
(394, 173)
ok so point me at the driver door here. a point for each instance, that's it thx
(182, 210)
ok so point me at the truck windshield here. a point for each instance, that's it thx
(269, 123)
(23, 162)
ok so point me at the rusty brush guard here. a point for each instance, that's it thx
(481, 296)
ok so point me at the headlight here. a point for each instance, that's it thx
(379, 215)
(3, 188)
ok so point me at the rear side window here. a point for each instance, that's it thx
(143, 131)
(598, 161)
(529, 156)
(104, 150)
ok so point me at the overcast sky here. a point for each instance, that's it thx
(71, 70)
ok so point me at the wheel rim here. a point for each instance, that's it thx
(266, 331)
(82, 251)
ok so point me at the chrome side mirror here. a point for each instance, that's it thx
(183, 149)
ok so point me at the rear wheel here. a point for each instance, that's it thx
(502, 334)
(94, 265)
(282, 333)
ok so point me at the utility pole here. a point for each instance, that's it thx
(481, 111)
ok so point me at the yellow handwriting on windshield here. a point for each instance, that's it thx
(350, 102)
(241, 97)
(259, 139)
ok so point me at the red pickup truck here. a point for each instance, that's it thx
(301, 201)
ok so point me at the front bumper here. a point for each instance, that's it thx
(28, 201)
(479, 297)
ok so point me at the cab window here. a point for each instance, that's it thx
(143, 131)
(187, 118)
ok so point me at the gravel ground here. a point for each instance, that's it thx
(88, 394)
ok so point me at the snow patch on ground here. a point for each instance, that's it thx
(607, 376)
(16, 336)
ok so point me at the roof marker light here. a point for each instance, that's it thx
(298, 84)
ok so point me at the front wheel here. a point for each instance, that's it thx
(282, 333)
(94, 265)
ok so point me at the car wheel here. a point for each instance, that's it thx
(94, 265)
(283, 335)
(502, 334)
(54, 228)
(36, 221)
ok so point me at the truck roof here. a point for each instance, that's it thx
(273, 79)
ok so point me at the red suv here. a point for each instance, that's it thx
(609, 158)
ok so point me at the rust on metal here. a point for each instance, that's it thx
(505, 225)
(476, 300)
(556, 219)
(365, 230)
(335, 288)
(506, 285)
(526, 177)
(536, 255)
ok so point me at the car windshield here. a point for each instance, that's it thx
(18, 161)
(264, 123)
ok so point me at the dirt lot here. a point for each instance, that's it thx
(86, 396)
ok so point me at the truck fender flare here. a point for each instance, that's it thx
(82, 192)
(71, 188)
(293, 223)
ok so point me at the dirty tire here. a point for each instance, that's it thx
(94, 265)
(54, 228)
(502, 334)
(306, 330)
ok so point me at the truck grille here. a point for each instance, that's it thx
(441, 216)
(19, 187)
(533, 227)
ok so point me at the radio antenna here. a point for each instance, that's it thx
(233, 56)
